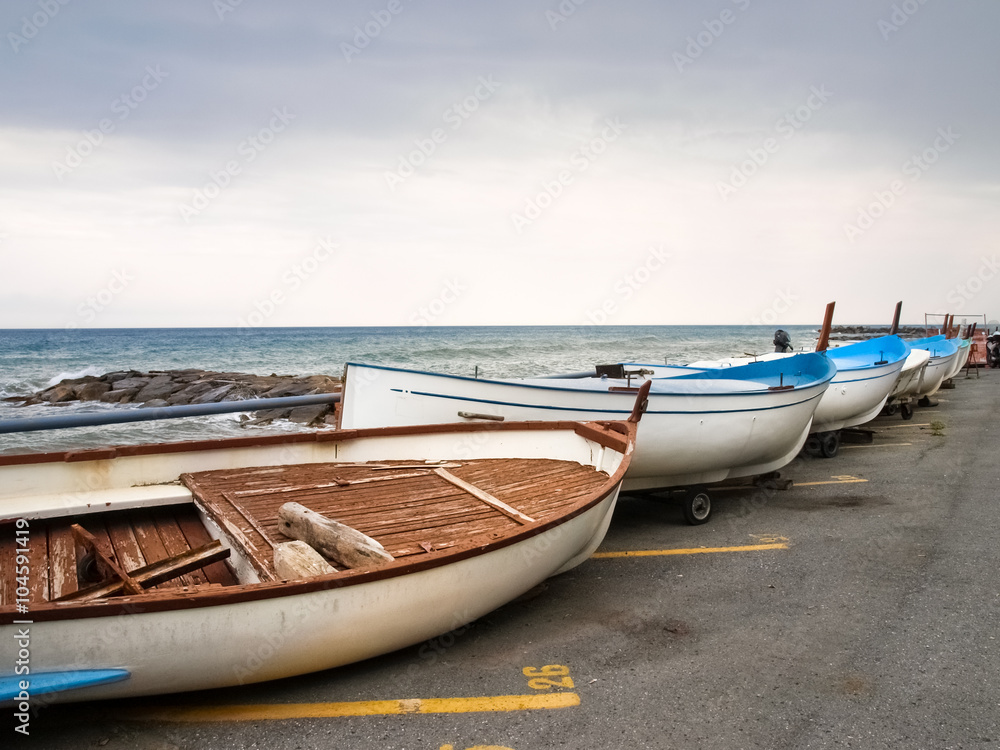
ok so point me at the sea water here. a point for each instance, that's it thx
(34, 359)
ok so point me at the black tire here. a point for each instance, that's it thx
(890, 409)
(697, 506)
(907, 411)
(830, 444)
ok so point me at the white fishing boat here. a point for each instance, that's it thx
(943, 355)
(964, 347)
(702, 426)
(165, 568)
(908, 383)
(866, 373)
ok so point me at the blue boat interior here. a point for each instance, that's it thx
(877, 351)
(938, 345)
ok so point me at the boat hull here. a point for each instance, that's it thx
(909, 377)
(943, 356)
(254, 641)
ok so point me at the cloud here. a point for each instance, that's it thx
(370, 123)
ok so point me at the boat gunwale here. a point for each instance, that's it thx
(605, 434)
(320, 436)
(708, 374)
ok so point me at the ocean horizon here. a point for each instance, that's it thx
(35, 358)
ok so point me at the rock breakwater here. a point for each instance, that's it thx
(157, 388)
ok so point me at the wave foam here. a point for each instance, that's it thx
(90, 370)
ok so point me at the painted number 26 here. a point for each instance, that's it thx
(548, 677)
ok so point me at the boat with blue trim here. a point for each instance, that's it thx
(944, 355)
(702, 425)
(866, 373)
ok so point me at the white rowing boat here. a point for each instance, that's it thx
(159, 568)
(702, 426)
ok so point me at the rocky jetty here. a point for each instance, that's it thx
(158, 388)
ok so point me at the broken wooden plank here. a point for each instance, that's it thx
(106, 564)
(484, 496)
(155, 573)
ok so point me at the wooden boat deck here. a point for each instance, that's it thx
(410, 508)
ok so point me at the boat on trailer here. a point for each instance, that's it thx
(943, 354)
(701, 426)
(908, 383)
(166, 568)
(866, 373)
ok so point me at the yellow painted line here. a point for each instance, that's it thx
(879, 445)
(264, 712)
(849, 480)
(906, 424)
(693, 551)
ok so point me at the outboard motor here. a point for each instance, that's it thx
(782, 341)
(993, 350)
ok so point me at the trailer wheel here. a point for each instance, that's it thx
(906, 411)
(697, 506)
(813, 445)
(830, 444)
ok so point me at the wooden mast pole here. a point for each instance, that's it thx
(824, 334)
(895, 319)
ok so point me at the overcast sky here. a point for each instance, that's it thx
(397, 162)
